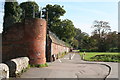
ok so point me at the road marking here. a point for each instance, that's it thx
(72, 56)
(59, 60)
(66, 58)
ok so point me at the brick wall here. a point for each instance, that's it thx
(25, 39)
(56, 48)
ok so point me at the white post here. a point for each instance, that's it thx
(83, 55)
(69, 56)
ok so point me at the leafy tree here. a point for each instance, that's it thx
(94, 42)
(64, 29)
(52, 13)
(118, 41)
(67, 27)
(78, 35)
(112, 41)
(83, 39)
(30, 9)
(12, 13)
(75, 43)
(85, 42)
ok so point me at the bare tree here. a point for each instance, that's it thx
(101, 28)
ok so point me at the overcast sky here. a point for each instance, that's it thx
(83, 12)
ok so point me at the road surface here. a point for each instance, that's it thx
(68, 67)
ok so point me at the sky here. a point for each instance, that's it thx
(83, 12)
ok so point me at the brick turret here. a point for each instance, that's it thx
(26, 39)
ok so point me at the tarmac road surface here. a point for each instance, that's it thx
(70, 66)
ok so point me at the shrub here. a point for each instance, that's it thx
(93, 50)
(107, 58)
(82, 50)
(113, 50)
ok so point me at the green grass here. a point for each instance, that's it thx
(101, 56)
(39, 65)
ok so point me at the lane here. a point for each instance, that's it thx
(68, 68)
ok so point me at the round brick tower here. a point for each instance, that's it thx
(35, 37)
(27, 38)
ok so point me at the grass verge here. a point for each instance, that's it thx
(38, 65)
(101, 56)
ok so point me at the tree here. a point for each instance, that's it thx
(52, 14)
(101, 28)
(30, 9)
(112, 41)
(118, 41)
(68, 30)
(78, 35)
(64, 30)
(94, 42)
(83, 39)
(12, 13)
(75, 43)
(85, 42)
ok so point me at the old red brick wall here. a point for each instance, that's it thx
(48, 50)
(56, 49)
(25, 39)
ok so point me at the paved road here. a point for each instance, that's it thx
(66, 68)
(113, 67)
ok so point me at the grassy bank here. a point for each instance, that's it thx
(101, 56)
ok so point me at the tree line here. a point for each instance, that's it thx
(101, 40)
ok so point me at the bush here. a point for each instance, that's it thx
(82, 50)
(89, 50)
(107, 58)
(93, 50)
(113, 50)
